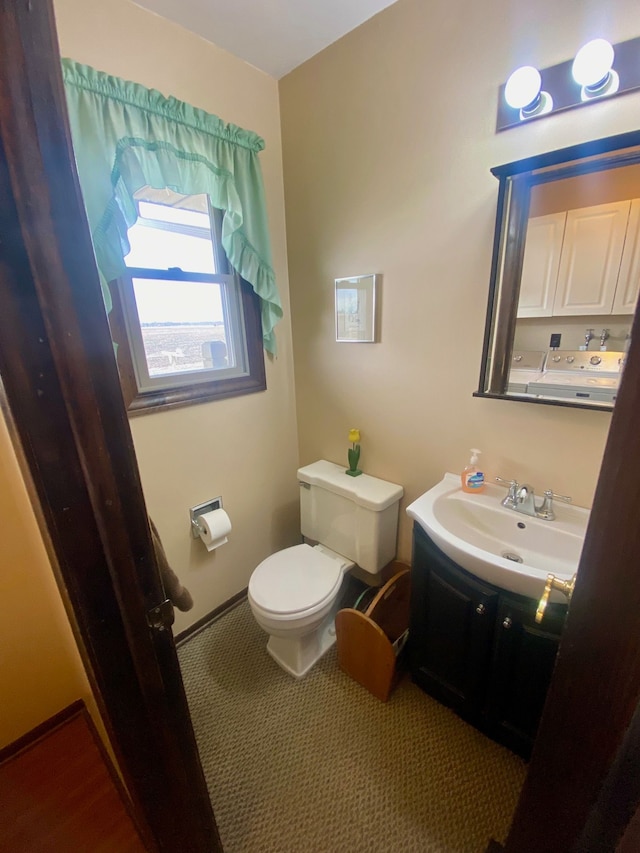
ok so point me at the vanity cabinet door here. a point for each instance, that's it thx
(628, 287)
(451, 629)
(591, 255)
(522, 666)
(540, 265)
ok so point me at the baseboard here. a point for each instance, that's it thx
(216, 613)
(40, 731)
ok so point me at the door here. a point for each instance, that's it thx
(588, 742)
(628, 287)
(523, 660)
(62, 387)
(451, 629)
(543, 248)
(590, 261)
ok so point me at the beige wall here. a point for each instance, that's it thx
(40, 667)
(388, 138)
(244, 449)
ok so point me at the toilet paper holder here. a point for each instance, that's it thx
(201, 509)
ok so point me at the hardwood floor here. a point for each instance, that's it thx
(59, 794)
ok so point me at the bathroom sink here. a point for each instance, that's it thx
(512, 550)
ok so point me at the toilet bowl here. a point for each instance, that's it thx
(294, 595)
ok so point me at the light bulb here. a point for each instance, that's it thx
(523, 87)
(593, 63)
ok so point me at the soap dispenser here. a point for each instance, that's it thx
(472, 477)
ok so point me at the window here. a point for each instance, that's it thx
(187, 327)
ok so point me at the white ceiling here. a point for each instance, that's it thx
(274, 35)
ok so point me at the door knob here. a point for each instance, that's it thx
(507, 623)
(553, 582)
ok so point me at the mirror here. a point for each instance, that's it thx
(565, 275)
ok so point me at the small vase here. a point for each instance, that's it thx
(354, 456)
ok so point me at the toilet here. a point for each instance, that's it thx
(294, 594)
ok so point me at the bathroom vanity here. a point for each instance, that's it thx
(477, 647)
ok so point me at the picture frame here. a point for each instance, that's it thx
(356, 308)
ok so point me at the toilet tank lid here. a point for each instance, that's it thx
(366, 491)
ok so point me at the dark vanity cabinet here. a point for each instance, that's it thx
(524, 654)
(451, 628)
(478, 649)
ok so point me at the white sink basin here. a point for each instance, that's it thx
(476, 531)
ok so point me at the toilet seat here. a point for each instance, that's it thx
(296, 580)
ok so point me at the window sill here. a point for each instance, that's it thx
(172, 398)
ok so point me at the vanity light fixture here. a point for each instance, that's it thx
(592, 69)
(599, 71)
(523, 91)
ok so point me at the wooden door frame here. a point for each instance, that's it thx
(62, 387)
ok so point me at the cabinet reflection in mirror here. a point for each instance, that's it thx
(565, 275)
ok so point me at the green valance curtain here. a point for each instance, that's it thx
(126, 137)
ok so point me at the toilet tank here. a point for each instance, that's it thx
(355, 516)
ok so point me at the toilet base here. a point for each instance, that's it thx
(297, 655)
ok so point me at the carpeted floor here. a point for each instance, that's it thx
(321, 766)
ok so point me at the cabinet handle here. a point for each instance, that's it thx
(481, 610)
(507, 623)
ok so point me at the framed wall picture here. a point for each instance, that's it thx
(356, 305)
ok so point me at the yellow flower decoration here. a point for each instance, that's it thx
(354, 453)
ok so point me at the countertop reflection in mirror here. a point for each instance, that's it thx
(565, 275)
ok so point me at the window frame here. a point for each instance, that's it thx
(124, 323)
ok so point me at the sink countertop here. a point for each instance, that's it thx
(476, 531)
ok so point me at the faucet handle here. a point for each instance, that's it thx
(545, 510)
(552, 495)
(513, 484)
(510, 500)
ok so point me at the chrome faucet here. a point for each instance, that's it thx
(521, 498)
(511, 499)
(587, 338)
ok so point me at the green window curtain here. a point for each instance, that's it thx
(126, 137)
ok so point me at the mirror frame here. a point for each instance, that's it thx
(515, 182)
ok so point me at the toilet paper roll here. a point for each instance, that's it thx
(214, 527)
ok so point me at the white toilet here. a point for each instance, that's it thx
(294, 594)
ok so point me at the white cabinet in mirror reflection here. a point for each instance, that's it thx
(581, 262)
(628, 287)
(541, 264)
(590, 260)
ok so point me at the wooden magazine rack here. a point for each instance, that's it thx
(369, 642)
